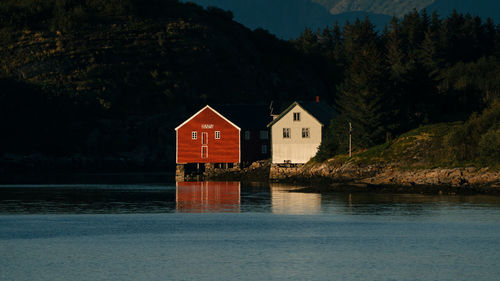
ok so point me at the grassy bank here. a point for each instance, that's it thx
(474, 143)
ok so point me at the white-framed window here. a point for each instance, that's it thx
(217, 135)
(264, 135)
(286, 133)
(247, 135)
(194, 135)
(264, 149)
(305, 133)
(296, 116)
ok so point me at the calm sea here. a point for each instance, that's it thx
(234, 231)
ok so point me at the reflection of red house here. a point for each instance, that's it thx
(208, 196)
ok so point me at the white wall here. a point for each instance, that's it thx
(296, 149)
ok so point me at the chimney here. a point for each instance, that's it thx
(317, 99)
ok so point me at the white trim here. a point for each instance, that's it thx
(201, 110)
(176, 148)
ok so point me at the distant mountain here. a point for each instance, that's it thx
(386, 7)
(288, 18)
(482, 8)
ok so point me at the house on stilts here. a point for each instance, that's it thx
(222, 137)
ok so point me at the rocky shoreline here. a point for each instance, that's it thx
(352, 177)
(393, 178)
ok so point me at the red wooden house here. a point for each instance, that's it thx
(223, 135)
(207, 137)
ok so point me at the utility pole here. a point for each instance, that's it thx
(350, 143)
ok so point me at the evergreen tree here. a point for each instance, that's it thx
(394, 48)
(338, 53)
(357, 35)
(364, 99)
(307, 42)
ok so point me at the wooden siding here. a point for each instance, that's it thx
(295, 149)
(223, 150)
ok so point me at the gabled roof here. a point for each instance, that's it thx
(319, 110)
(201, 110)
(246, 116)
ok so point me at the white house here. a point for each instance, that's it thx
(297, 132)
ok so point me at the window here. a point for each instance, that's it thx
(204, 152)
(296, 116)
(264, 135)
(247, 135)
(286, 133)
(305, 133)
(194, 135)
(264, 149)
(217, 135)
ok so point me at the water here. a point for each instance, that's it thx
(230, 231)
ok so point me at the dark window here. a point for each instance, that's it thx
(296, 116)
(305, 133)
(286, 133)
(264, 135)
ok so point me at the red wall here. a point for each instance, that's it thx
(224, 150)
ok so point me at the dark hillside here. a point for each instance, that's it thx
(141, 67)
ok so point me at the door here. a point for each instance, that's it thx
(204, 152)
(204, 145)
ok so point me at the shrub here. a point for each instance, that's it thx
(489, 145)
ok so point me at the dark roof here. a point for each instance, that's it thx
(246, 116)
(319, 110)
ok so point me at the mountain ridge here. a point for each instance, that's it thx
(387, 7)
(288, 18)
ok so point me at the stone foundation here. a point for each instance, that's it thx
(202, 171)
(285, 171)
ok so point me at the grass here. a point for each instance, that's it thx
(421, 148)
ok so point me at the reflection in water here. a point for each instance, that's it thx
(402, 204)
(200, 197)
(225, 197)
(286, 201)
(86, 199)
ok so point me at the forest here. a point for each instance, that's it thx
(94, 84)
(420, 70)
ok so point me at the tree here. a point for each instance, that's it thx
(364, 99)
